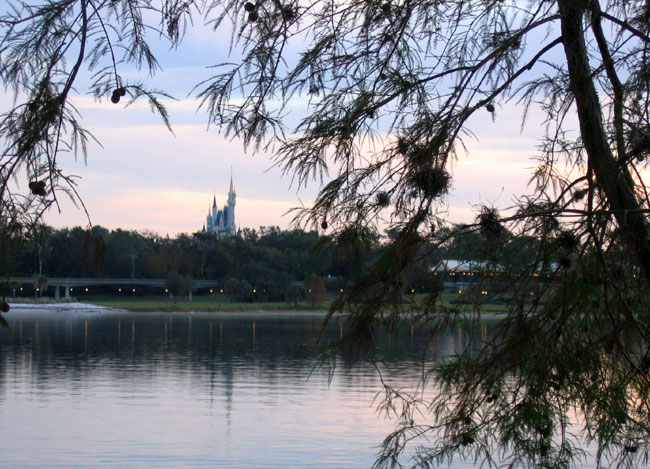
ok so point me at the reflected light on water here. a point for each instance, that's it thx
(184, 390)
(227, 390)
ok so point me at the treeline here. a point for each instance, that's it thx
(269, 259)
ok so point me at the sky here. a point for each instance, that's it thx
(144, 177)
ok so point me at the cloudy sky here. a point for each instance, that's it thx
(145, 178)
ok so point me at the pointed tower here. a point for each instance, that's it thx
(209, 222)
(222, 221)
(232, 200)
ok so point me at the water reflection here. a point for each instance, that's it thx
(194, 390)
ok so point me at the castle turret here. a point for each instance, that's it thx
(232, 200)
(208, 222)
(222, 221)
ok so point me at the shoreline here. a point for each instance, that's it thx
(91, 307)
(256, 310)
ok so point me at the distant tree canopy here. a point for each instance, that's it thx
(294, 294)
(314, 289)
(40, 284)
(176, 284)
(268, 259)
(385, 94)
(262, 255)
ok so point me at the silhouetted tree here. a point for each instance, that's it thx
(392, 91)
(177, 284)
(294, 294)
(314, 288)
(40, 284)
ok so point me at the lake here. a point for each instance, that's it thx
(95, 388)
(82, 386)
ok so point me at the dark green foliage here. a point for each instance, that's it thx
(177, 284)
(238, 290)
(314, 289)
(40, 284)
(294, 294)
(268, 259)
(432, 182)
(393, 88)
(490, 224)
(72, 252)
(6, 289)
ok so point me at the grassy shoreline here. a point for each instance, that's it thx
(212, 304)
(200, 304)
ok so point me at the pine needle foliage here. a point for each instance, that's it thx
(386, 92)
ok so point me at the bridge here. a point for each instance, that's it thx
(68, 284)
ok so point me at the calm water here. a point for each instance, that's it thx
(89, 389)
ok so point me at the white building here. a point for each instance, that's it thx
(222, 221)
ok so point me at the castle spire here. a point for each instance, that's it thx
(222, 221)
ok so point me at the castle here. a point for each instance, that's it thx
(222, 222)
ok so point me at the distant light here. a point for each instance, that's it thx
(254, 291)
(166, 290)
(532, 293)
(210, 290)
(133, 290)
(341, 290)
(86, 289)
(460, 291)
(119, 290)
(21, 288)
(221, 291)
(412, 290)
